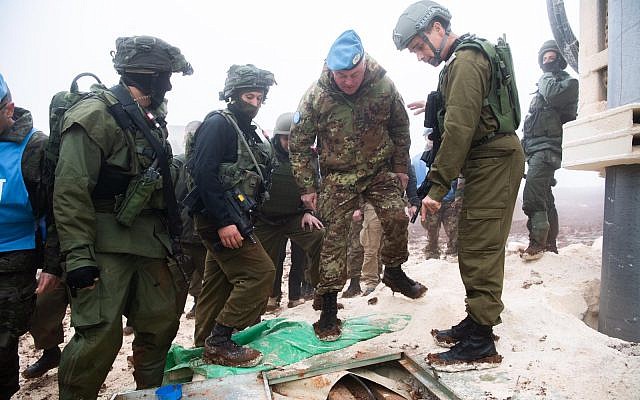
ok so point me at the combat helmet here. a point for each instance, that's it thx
(415, 19)
(246, 77)
(283, 124)
(140, 54)
(551, 45)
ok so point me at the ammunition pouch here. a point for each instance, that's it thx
(137, 196)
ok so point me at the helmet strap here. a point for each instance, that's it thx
(437, 53)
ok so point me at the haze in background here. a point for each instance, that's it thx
(45, 44)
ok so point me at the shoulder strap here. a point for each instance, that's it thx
(127, 109)
(232, 121)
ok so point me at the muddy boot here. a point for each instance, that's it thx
(533, 252)
(353, 290)
(475, 351)
(272, 304)
(328, 326)
(398, 281)
(431, 253)
(50, 359)
(317, 303)
(221, 350)
(449, 337)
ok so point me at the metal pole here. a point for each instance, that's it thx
(620, 281)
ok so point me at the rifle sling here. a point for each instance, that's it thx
(132, 110)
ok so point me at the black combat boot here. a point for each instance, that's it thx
(398, 281)
(475, 351)
(317, 302)
(449, 337)
(354, 288)
(50, 359)
(221, 350)
(328, 326)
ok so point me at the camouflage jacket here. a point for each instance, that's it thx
(358, 136)
(555, 102)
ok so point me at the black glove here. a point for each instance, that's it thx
(81, 278)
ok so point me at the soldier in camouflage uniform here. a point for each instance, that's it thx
(362, 130)
(555, 103)
(116, 266)
(229, 156)
(191, 243)
(447, 216)
(492, 163)
(22, 204)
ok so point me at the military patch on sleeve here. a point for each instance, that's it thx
(296, 117)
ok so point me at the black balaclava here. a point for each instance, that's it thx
(238, 106)
(154, 85)
(553, 66)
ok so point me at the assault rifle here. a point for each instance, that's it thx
(240, 207)
(433, 107)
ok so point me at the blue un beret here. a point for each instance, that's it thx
(346, 52)
(3, 87)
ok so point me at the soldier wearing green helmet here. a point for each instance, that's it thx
(111, 208)
(554, 103)
(283, 217)
(490, 159)
(231, 156)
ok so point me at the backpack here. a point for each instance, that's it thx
(503, 95)
(60, 104)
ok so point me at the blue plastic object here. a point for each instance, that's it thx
(169, 392)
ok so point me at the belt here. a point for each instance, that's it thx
(490, 138)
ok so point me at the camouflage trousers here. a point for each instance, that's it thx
(447, 217)
(337, 202)
(17, 302)
(538, 202)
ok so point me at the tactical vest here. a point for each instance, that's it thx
(17, 222)
(114, 183)
(252, 169)
(284, 198)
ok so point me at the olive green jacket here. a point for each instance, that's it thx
(93, 143)
(464, 84)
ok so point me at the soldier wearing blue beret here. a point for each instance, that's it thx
(358, 118)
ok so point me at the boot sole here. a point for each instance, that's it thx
(439, 364)
(328, 335)
(217, 360)
(531, 257)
